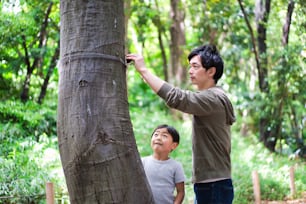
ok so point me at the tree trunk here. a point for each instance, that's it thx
(43, 89)
(262, 10)
(286, 26)
(161, 31)
(98, 151)
(127, 14)
(178, 42)
(282, 94)
(26, 84)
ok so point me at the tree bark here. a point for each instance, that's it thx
(286, 26)
(161, 31)
(282, 82)
(127, 14)
(262, 10)
(26, 84)
(178, 42)
(43, 89)
(98, 151)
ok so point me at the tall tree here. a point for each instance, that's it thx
(275, 95)
(282, 92)
(98, 151)
(262, 10)
(178, 42)
(53, 62)
(161, 31)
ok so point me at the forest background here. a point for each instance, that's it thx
(263, 47)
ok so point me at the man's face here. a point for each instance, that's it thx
(198, 74)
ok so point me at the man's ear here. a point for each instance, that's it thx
(211, 71)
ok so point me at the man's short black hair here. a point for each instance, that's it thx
(210, 57)
(172, 131)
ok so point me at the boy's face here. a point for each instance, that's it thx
(162, 141)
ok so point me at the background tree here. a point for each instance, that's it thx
(271, 120)
(97, 146)
(29, 39)
(177, 72)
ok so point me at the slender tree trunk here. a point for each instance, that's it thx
(52, 65)
(253, 41)
(282, 94)
(26, 84)
(286, 26)
(127, 12)
(178, 42)
(262, 10)
(161, 31)
(98, 151)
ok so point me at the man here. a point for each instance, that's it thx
(213, 116)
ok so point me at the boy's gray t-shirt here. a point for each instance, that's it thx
(162, 177)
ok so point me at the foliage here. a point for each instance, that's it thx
(25, 45)
(25, 120)
(28, 130)
(25, 170)
(29, 155)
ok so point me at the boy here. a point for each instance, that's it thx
(164, 174)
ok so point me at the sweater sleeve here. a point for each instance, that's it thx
(196, 103)
(199, 103)
(164, 90)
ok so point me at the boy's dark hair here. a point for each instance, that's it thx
(210, 57)
(172, 131)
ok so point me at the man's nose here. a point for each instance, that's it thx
(190, 70)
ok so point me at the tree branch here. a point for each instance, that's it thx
(253, 41)
(286, 27)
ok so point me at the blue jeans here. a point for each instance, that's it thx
(218, 192)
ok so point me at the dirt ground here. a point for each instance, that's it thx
(289, 201)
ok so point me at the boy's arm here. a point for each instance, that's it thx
(180, 193)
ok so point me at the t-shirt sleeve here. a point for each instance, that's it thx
(179, 173)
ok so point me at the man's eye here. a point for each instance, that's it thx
(195, 67)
